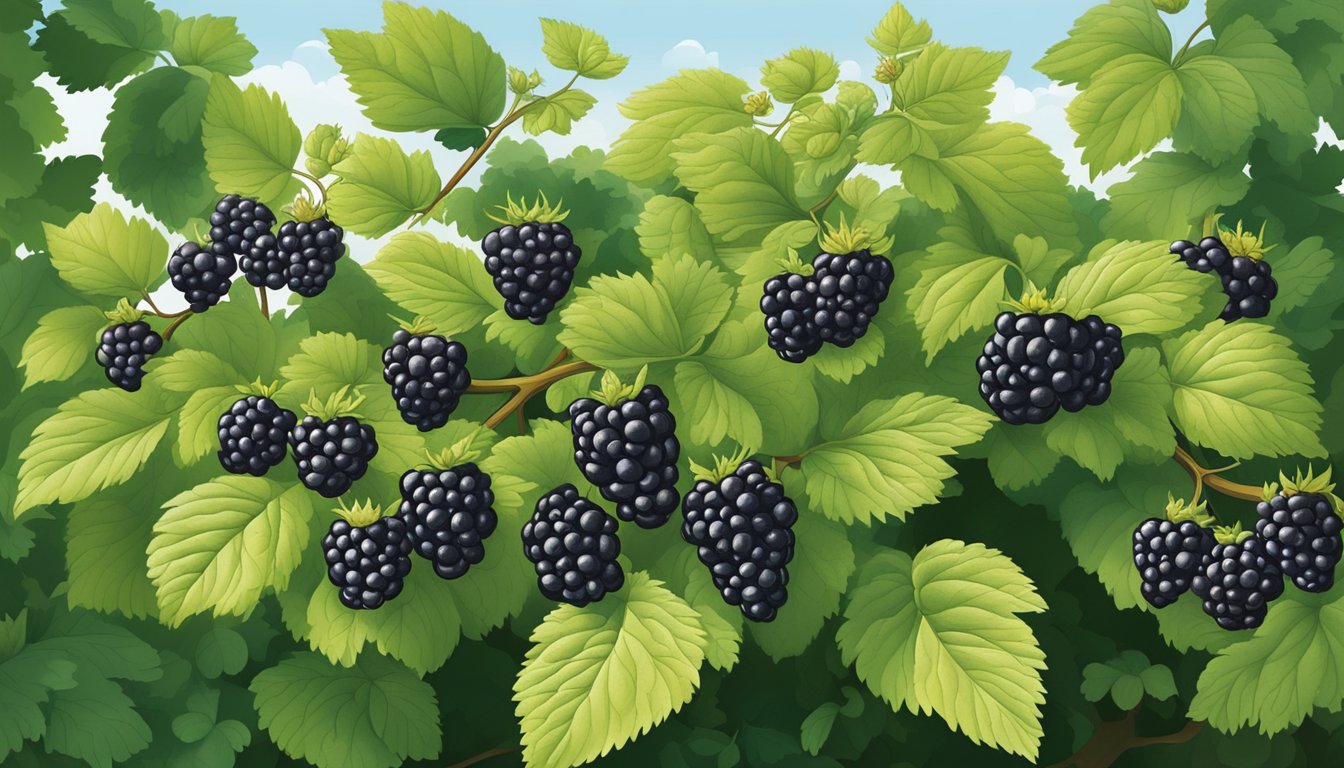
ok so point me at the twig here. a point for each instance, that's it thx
(1176, 62)
(159, 312)
(486, 755)
(524, 388)
(1112, 738)
(172, 327)
(265, 307)
(1209, 477)
(316, 181)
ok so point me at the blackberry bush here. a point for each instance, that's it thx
(124, 349)
(625, 443)
(428, 374)
(202, 275)
(1300, 525)
(449, 513)
(368, 556)
(573, 546)
(254, 434)
(332, 448)
(741, 524)
(1238, 580)
(1169, 551)
(1247, 278)
(237, 223)
(531, 259)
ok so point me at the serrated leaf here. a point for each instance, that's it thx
(327, 362)
(743, 180)
(1300, 272)
(798, 73)
(101, 648)
(1018, 456)
(61, 345)
(425, 71)
(105, 557)
(1138, 286)
(817, 579)
(1276, 83)
(100, 253)
(888, 459)
(939, 634)
(1241, 390)
(557, 113)
(251, 143)
(890, 139)
(27, 682)
(213, 43)
(598, 677)
(130, 24)
(381, 186)
(542, 460)
(80, 63)
(816, 728)
(1132, 103)
(898, 32)
(959, 290)
(1038, 260)
(951, 86)
(844, 363)
(374, 715)
(670, 226)
(198, 423)
(189, 370)
(1169, 194)
(95, 722)
(1102, 35)
(438, 280)
(1218, 109)
(580, 50)
(220, 545)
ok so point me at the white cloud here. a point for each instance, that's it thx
(851, 70)
(689, 54)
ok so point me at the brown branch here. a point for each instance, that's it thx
(265, 305)
(172, 327)
(1112, 738)
(1209, 477)
(486, 755)
(524, 388)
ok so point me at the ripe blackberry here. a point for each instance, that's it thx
(261, 264)
(332, 454)
(573, 546)
(236, 223)
(368, 562)
(428, 375)
(742, 526)
(1035, 364)
(629, 451)
(253, 435)
(124, 350)
(834, 304)
(1237, 582)
(309, 250)
(1302, 535)
(1247, 280)
(532, 265)
(449, 513)
(790, 326)
(203, 276)
(1167, 555)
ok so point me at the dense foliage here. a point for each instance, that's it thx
(942, 564)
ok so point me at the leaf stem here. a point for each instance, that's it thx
(316, 182)
(159, 312)
(524, 388)
(265, 307)
(1209, 478)
(172, 327)
(793, 108)
(489, 753)
(778, 463)
(1176, 62)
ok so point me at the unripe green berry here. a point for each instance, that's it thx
(887, 71)
(759, 104)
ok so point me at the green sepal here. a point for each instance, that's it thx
(335, 406)
(1241, 242)
(258, 388)
(519, 212)
(418, 326)
(305, 207)
(1034, 301)
(457, 454)
(612, 391)
(724, 466)
(125, 312)
(845, 239)
(1230, 534)
(361, 514)
(1310, 482)
(1178, 512)
(758, 104)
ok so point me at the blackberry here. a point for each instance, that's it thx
(629, 451)
(261, 264)
(203, 276)
(1167, 555)
(332, 454)
(237, 223)
(1035, 364)
(742, 526)
(532, 265)
(368, 562)
(428, 375)
(834, 304)
(124, 350)
(253, 435)
(1302, 535)
(1247, 280)
(448, 514)
(1237, 582)
(790, 325)
(308, 250)
(573, 546)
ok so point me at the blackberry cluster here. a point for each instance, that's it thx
(1035, 364)
(835, 304)
(368, 563)
(1237, 582)
(743, 529)
(307, 252)
(630, 451)
(237, 223)
(448, 514)
(332, 455)
(203, 276)
(573, 546)
(1302, 536)
(1168, 555)
(532, 265)
(428, 375)
(124, 350)
(1248, 283)
(253, 435)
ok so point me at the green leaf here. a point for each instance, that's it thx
(1138, 286)
(580, 50)
(951, 86)
(817, 579)
(1276, 83)
(105, 557)
(1169, 194)
(130, 24)
(213, 43)
(425, 71)
(557, 113)
(898, 32)
(1242, 391)
(441, 281)
(81, 64)
(670, 226)
(97, 439)
(95, 722)
(1102, 35)
(1300, 273)
(27, 682)
(1282, 673)
(743, 180)
(1131, 104)
(460, 138)
(100, 253)
(374, 715)
(624, 322)
(1018, 456)
(189, 370)
(1218, 109)
(692, 101)
(888, 459)
(222, 544)
(626, 662)
(938, 634)
(327, 362)
(817, 727)
(251, 144)
(959, 290)
(60, 345)
(381, 186)
(221, 652)
(798, 73)
(844, 363)
(542, 460)
(1038, 260)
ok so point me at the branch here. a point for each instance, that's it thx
(489, 753)
(1112, 738)
(524, 388)
(172, 327)
(1209, 477)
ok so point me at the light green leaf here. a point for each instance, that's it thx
(425, 71)
(898, 32)
(438, 280)
(692, 101)
(188, 370)
(743, 180)
(1276, 83)
(600, 676)
(1102, 35)
(844, 363)
(1138, 286)
(130, 24)
(890, 139)
(213, 43)
(1218, 109)
(381, 186)
(1242, 391)
(670, 226)
(222, 544)
(375, 715)
(251, 143)
(105, 557)
(938, 634)
(798, 73)
(97, 439)
(817, 727)
(95, 722)
(817, 579)
(101, 254)
(1132, 103)
(198, 423)
(1038, 260)
(557, 113)
(722, 622)
(951, 86)
(959, 290)
(1300, 272)
(1018, 456)
(888, 459)
(61, 344)
(580, 50)
(329, 361)
(542, 460)
(1169, 194)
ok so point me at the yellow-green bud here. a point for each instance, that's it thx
(325, 147)
(518, 81)
(759, 104)
(1170, 6)
(534, 80)
(887, 71)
